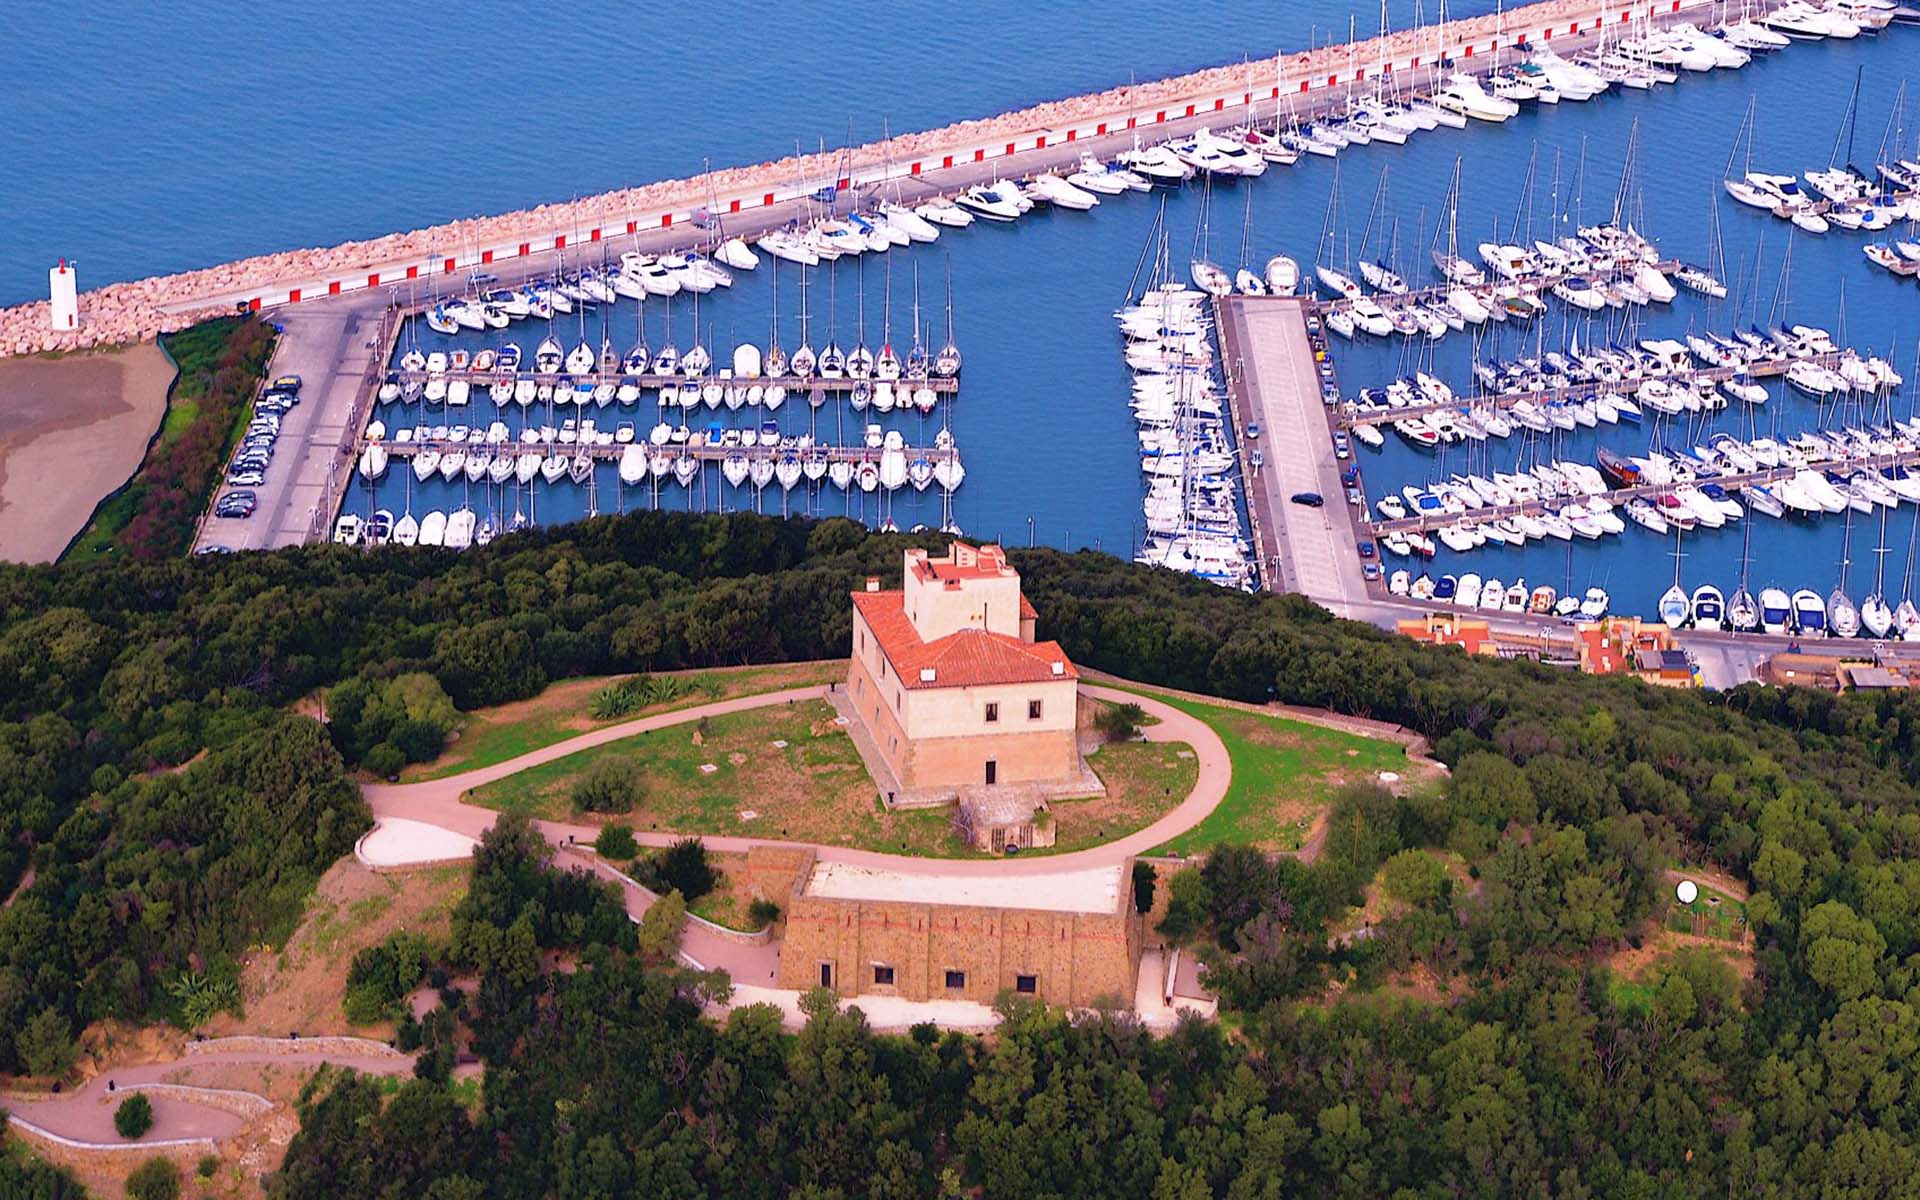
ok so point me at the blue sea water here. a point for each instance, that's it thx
(296, 135)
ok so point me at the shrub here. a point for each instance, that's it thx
(134, 1116)
(155, 1179)
(382, 975)
(762, 913)
(611, 785)
(616, 842)
(208, 1164)
(1144, 878)
(660, 927)
(619, 699)
(203, 994)
(681, 867)
(1119, 722)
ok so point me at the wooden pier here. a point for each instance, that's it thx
(1647, 491)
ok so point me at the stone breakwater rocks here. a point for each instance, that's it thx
(138, 310)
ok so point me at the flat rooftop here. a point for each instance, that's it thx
(1091, 891)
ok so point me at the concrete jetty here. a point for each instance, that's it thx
(750, 199)
(1273, 377)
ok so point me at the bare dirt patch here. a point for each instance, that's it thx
(72, 429)
(299, 986)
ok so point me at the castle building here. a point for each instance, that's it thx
(952, 687)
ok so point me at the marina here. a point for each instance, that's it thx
(1021, 428)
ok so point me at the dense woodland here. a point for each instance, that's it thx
(1535, 1075)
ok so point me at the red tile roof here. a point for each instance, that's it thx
(969, 658)
(987, 562)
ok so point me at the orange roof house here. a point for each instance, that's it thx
(950, 682)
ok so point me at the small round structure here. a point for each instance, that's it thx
(1688, 891)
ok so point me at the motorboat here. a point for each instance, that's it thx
(1809, 612)
(1776, 610)
(1464, 95)
(986, 202)
(1709, 607)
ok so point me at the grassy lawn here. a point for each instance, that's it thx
(1145, 781)
(495, 735)
(1284, 773)
(815, 789)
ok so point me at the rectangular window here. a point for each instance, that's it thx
(1033, 710)
(882, 976)
(993, 712)
(1026, 984)
(826, 975)
(956, 980)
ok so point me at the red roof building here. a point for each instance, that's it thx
(948, 677)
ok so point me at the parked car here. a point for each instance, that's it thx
(249, 478)
(1253, 430)
(1355, 498)
(1310, 499)
(287, 383)
(1366, 549)
(1370, 572)
(1341, 447)
(1257, 459)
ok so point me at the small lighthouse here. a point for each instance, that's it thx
(65, 288)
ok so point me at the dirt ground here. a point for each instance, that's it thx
(1659, 941)
(72, 429)
(299, 986)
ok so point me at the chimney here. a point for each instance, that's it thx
(873, 583)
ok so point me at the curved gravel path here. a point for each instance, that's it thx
(439, 802)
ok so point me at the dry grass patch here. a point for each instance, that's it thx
(730, 898)
(299, 986)
(1144, 782)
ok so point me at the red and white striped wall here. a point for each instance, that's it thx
(1012, 148)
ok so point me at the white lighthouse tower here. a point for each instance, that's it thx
(65, 288)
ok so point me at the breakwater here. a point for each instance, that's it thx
(139, 309)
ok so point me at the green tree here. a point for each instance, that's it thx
(1414, 877)
(133, 1117)
(660, 927)
(45, 1043)
(682, 867)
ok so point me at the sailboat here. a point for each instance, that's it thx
(802, 363)
(860, 361)
(946, 364)
(1448, 261)
(833, 362)
(1246, 280)
(1743, 614)
(1675, 607)
(1906, 617)
(1875, 616)
(1335, 280)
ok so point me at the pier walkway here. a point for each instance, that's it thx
(1273, 379)
(1645, 491)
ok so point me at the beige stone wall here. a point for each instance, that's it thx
(1076, 959)
(937, 608)
(1040, 756)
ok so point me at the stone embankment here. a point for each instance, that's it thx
(139, 309)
